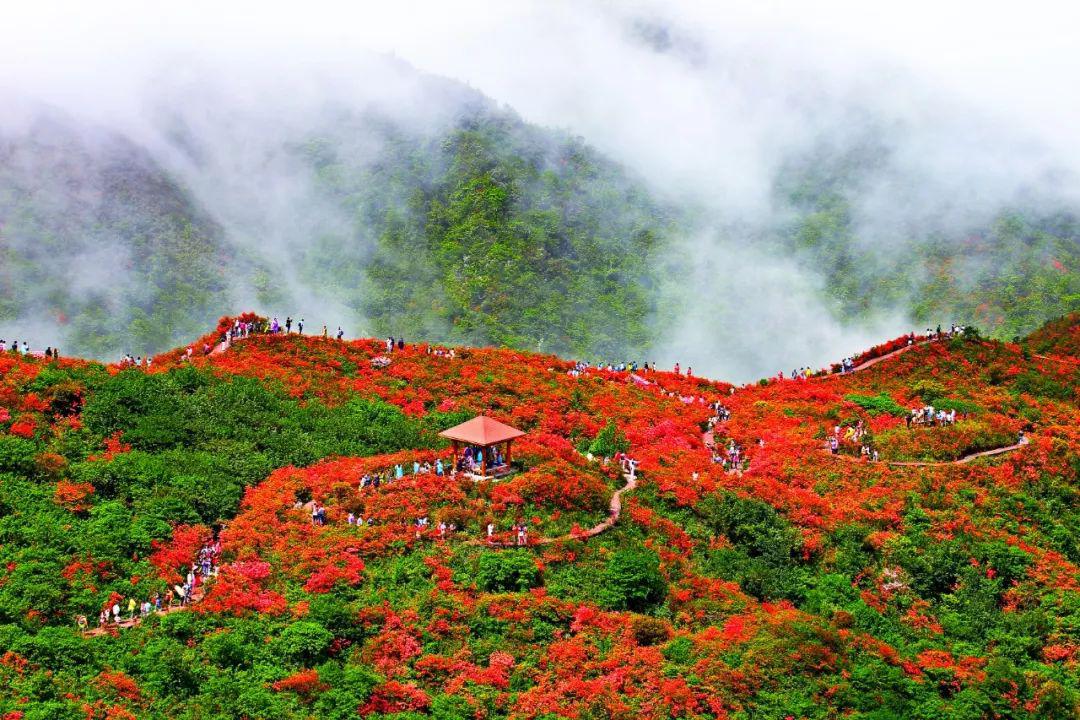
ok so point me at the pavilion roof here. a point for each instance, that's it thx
(483, 431)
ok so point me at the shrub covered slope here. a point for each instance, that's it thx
(796, 583)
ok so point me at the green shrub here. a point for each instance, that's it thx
(508, 571)
(350, 687)
(17, 455)
(765, 553)
(451, 707)
(961, 406)
(632, 581)
(609, 441)
(929, 391)
(680, 650)
(878, 404)
(304, 641)
(1038, 385)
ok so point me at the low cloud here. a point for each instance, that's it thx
(967, 113)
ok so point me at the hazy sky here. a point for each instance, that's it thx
(1018, 59)
(678, 118)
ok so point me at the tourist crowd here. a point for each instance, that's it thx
(205, 566)
(855, 435)
(49, 352)
(927, 415)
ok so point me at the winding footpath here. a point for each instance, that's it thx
(113, 628)
(1058, 359)
(614, 511)
(874, 361)
(939, 463)
(965, 458)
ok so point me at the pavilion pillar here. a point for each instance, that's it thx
(508, 443)
(455, 444)
(483, 461)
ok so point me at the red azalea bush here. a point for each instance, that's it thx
(557, 484)
(182, 551)
(120, 685)
(24, 427)
(396, 697)
(73, 496)
(238, 590)
(305, 682)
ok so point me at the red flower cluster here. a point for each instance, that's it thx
(731, 646)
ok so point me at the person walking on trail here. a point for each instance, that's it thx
(340, 333)
(300, 326)
(490, 532)
(116, 611)
(324, 335)
(288, 325)
(131, 608)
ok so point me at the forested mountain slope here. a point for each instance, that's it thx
(101, 248)
(1006, 269)
(477, 228)
(441, 216)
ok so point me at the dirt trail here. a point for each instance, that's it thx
(196, 596)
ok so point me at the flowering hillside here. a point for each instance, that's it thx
(666, 546)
